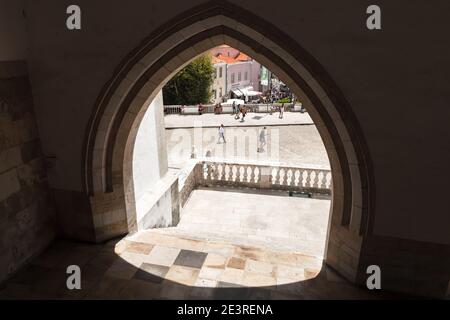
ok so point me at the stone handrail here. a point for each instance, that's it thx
(210, 108)
(213, 173)
(266, 177)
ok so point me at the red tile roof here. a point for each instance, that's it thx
(215, 60)
(242, 57)
(226, 58)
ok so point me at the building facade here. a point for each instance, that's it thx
(220, 80)
(234, 71)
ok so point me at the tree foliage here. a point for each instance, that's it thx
(192, 85)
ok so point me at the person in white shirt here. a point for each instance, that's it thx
(222, 134)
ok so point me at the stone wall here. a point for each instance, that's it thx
(161, 203)
(149, 155)
(193, 178)
(26, 213)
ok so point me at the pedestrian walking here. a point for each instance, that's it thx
(281, 111)
(262, 140)
(221, 134)
(200, 109)
(244, 112)
(238, 110)
(234, 107)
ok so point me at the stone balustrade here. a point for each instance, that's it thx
(226, 108)
(266, 177)
(269, 177)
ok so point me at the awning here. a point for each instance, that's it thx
(252, 93)
(248, 92)
(237, 92)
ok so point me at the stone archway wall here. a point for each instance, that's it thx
(123, 102)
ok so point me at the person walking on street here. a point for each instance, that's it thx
(262, 139)
(244, 112)
(281, 111)
(234, 107)
(238, 110)
(222, 134)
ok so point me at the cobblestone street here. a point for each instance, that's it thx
(297, 145)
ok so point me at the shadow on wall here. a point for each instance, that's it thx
(107, 275)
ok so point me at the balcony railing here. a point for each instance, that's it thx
(271, 177)
(210, 108)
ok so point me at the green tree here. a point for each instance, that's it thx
(192, 85)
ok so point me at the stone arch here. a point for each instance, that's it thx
(122, 103)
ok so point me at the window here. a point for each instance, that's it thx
(239, 76)
(246, 75)
(215, 73)
(232, 78)
(220, 72)
(220, 92)
(215, 94)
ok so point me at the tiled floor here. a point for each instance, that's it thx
(219, 251)
(152, 265)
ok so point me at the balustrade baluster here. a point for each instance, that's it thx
(219, 174)
(282, 179)
(234, 173)
(320, 179)
(227, 173)
(297, 178)
(241, 174)
(314, 179)
(329, 181)
(251, 175)
(274, 177)
(308, 179)
(289, 178)
(257, 174)
(213, 171)
(209, 171)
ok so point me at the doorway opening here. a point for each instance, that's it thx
(128, 96)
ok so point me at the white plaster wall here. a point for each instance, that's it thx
(160, 215)
(220, 82)
(158, 204)
(149, 156)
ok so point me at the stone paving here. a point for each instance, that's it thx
(152, 265)
(170, 264)
(299, 146)
(269, 219)
(228, 120)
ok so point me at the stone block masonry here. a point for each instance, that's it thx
(26, 210)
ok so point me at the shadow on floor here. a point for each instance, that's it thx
(45, 278)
